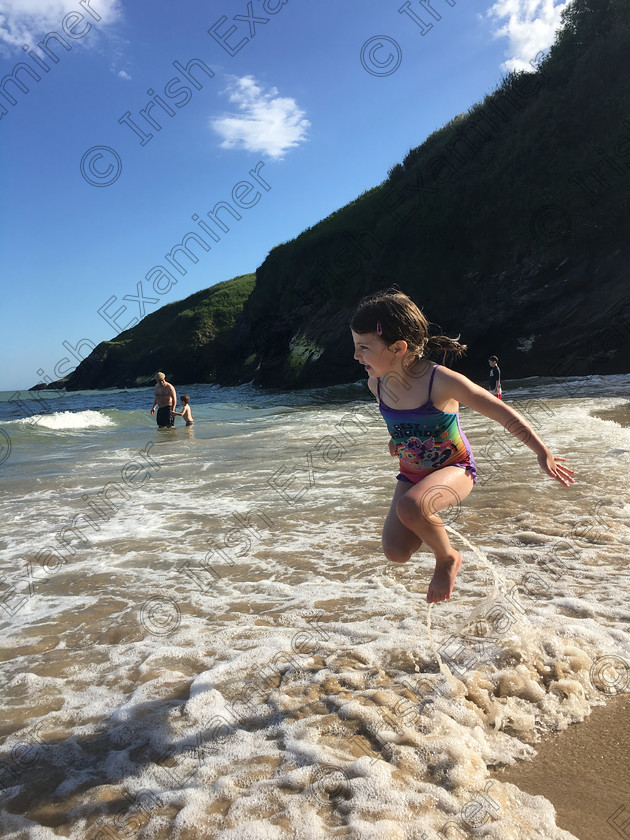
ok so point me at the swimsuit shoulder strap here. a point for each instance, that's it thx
(431, 382)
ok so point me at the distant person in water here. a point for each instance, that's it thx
(186, 413)
(494, 383)
(165, 400)
(419, 401)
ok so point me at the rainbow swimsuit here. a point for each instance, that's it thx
(426, 439)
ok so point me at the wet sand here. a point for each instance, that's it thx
(585, 772)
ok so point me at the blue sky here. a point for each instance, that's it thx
(317, 100)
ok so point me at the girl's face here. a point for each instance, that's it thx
(374, 354)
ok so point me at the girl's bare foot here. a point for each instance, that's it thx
(443, 579)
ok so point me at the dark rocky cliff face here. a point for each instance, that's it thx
(562, 318)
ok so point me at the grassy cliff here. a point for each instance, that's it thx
(185, 339)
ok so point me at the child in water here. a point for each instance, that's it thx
(494, 381)
(419, 401)
(186, 413)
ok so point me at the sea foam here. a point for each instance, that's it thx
(74, 420)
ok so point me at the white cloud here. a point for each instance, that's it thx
(123, 75)
(529, 25)
(26, 21)
(268, 123)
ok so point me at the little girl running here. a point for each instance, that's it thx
(419, 401)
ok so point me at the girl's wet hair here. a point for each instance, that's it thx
(395, 317)
(185, 399)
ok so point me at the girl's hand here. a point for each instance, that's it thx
(392, 447)
(553, 468)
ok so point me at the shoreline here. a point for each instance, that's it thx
(583, 771)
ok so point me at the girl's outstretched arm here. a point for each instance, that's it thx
(459, 387)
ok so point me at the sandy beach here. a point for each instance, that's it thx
(231, 659)
(584, 772)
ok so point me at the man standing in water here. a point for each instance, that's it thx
(166, 400)
(494, 383)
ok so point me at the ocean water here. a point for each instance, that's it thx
(202, 639)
